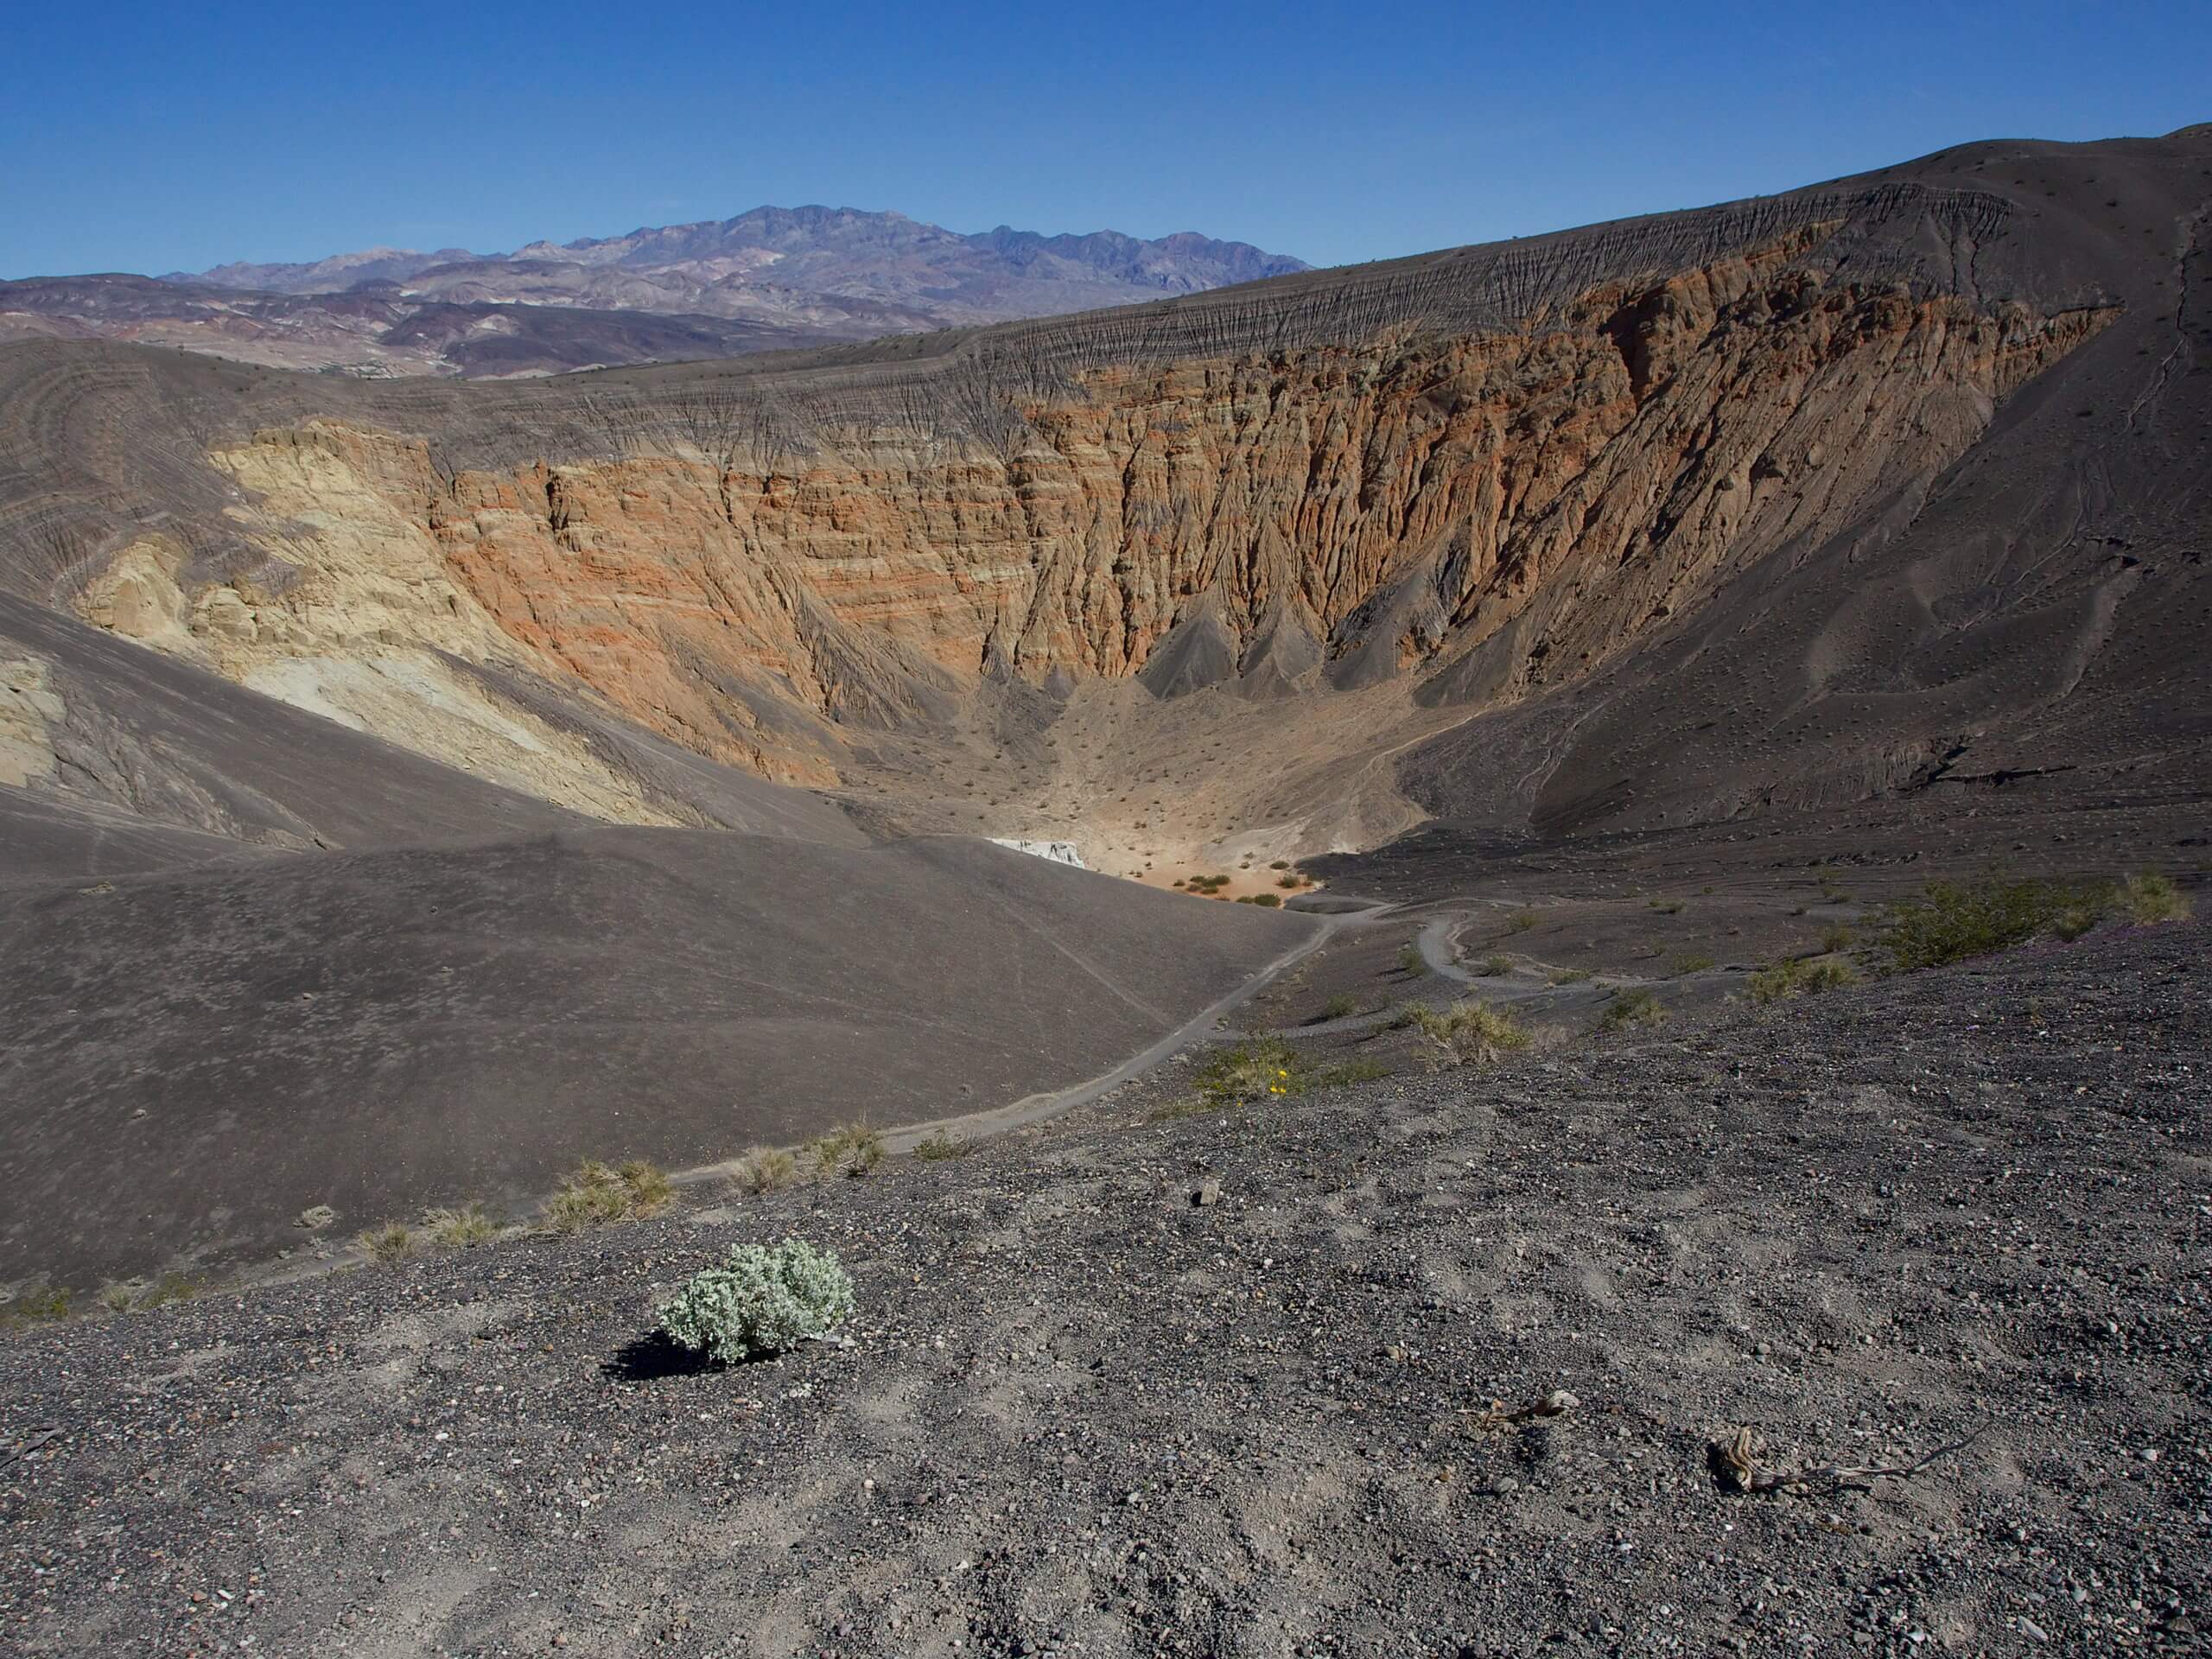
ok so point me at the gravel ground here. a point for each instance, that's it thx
(1964, 1214)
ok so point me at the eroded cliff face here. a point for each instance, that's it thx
(1508, 507)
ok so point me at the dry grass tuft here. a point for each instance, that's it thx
(1800, 976)
(594, 1195)
(393, 1242)
(2151, 899)
(853, 1150)
(1631, 1009)
(766, 1168)
(459, 1229)
(1468, 1032)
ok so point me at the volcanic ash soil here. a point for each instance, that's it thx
(1954, 1225)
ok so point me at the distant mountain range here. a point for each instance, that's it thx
(773, 277)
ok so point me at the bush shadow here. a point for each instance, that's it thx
(653, 1358)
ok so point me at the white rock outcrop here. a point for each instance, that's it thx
(1060, 851)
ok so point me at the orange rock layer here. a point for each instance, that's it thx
(1403, 500)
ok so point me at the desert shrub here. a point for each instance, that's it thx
(1266, 1068)
(766, 1168)
(651, 1191)
(2150, 898)
(1290, 881)
(937, 1146)
(393, 1242)
(1249, 1072)
(1280, 864)
(457, 1230)
(1829, 974)
(1569, 976)
(1409, 959)
(45, 1306)
(1691, 961)
(591, 1196)
(853, 1150)
(1950, 921)
(1341, 1007)
(1836, 936)
(1800, 976)
(762, 1299)
(1668, 906)
(1522, 921)
(594, 1196)
(120, 1295)
(1632, 1008)
(1472, 1031)
(1495, 963)
(1267, 901)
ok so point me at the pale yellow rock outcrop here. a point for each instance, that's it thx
(345, 620)
(29, 709)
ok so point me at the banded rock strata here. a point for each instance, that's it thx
(1474, 480)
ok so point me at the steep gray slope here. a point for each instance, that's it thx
(2035, 616)
(190, 1059)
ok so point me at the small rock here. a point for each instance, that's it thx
(1208, 1192)
(1504, 1484)
(1558, 1399)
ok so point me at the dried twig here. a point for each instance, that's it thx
(1848, 1476)
(1735, 1466)
(1501, 1416)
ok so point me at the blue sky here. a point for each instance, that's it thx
(156, 136)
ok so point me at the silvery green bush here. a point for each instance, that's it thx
(761, 1300)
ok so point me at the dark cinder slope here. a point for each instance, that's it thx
(2034, 617)
(191, 1058)
(1907, 1227)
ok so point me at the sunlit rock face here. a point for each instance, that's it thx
(1471, 482)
